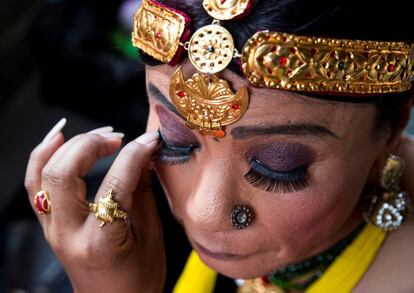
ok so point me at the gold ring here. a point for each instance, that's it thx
(107, 209)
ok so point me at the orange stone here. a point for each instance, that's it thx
(219, 133)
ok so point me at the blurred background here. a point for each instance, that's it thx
(72, 59)
(59, 58)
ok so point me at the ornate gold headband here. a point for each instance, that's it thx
(310, 64)
(269, 59)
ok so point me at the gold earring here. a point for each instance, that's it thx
(389, 211)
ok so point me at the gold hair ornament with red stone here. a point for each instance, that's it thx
(311, 64)
(269, 59)
(206, 102)
(208, 105)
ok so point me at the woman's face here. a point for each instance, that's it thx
(299, 164)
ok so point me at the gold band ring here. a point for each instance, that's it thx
(107, 209)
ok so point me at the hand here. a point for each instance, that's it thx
(122, 256)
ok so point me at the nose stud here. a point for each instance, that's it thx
(241, 217)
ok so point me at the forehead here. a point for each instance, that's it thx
(272, 105)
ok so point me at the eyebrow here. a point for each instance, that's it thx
(301, 129)
(160, 97)
(243, 132)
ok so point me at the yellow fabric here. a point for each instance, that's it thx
(196, 277)
(346, 271)
(341, 277)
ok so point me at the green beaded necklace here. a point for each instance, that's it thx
(301, 275)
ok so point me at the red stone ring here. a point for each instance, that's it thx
(42, 202)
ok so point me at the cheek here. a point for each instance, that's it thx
(305, 220)
(174, 180)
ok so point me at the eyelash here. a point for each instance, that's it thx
(275, 181)
(259, 175)
(174, 155)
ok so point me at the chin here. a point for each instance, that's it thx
(247, 268)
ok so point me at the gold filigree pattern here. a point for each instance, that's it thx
(299, 63)
(226, 9)
(211, 49)
(208, 103)
(106, 210)
(157, 31)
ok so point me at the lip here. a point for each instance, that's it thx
(223, 256)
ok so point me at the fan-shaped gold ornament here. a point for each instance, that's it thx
(207, 102)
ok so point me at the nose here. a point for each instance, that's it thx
(210, 204)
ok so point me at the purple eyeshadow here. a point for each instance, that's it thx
(174, 129)
(282, 157)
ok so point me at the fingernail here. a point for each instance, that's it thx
(100, 130)
(112, 135)
(148, 138)
(55, 130)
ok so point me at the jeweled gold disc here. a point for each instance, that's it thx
(211, 49)
(225, 9)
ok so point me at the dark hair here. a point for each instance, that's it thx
(351, 19)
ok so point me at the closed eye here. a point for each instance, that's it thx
(265, 178)
(169, 154)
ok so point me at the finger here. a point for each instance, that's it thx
(63, 175)
(125, 173)
(38, 159)
(144, 214)
(102, 130)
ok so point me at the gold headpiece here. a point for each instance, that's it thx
(269, 59)
(290, 62)
(208, 105)
(158, 30)
(206, 101)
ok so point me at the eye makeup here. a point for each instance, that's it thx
(173, 154)
(274, 167)
(177, 141)
(269, 180)
(279, 168)
(173, 129)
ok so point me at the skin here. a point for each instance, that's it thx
(121, 256)
(287, 226)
